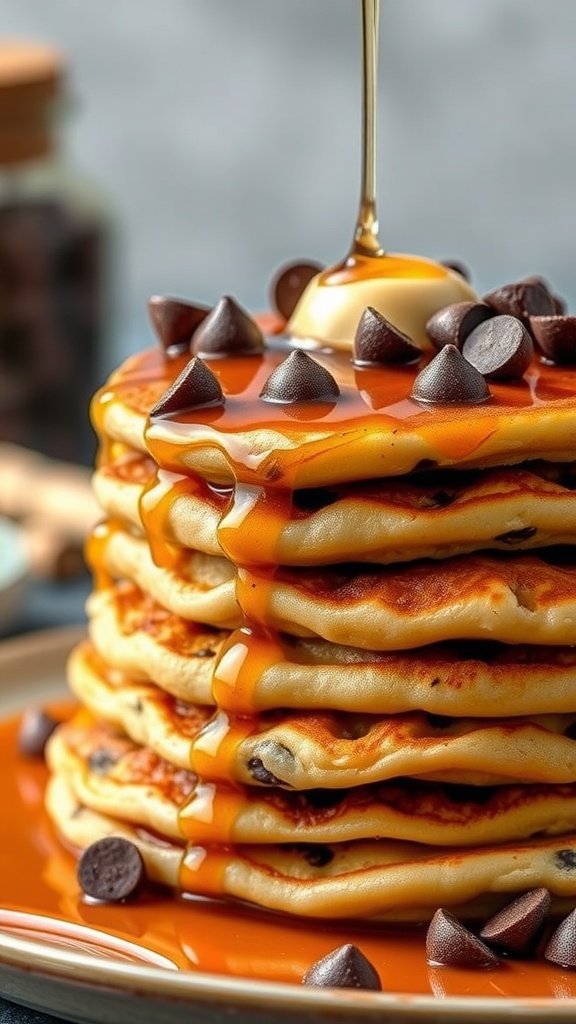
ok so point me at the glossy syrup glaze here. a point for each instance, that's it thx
(38, 877)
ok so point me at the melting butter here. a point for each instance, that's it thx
(407, 290)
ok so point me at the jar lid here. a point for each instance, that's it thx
(31, 76)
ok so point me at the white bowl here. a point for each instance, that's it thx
(14, 568)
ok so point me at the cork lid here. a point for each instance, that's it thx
(31, 76)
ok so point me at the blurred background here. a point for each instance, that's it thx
(219, 138)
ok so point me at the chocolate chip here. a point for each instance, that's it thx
(299, 378)
(378, 341)
(261, 774)
(500, 348)
(289, 283)
(205, 652)
(101, 761)
(458, 268)
(449, 942)
(556, 336)
(451, 380)
(345, 967)
(36, 728)
(452, 324)
(522, 299)
(227, 330)
(561, 948)
(560, 306)
(111, 869)
(517, 536)
(194, 388)
(565, 859)
(174, 322)
(516, 928)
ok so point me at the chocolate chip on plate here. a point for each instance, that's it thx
(36, 728)
(517, 927)
(227, 330)
(378, 341)
(561, 948)
(450, 379)
(452, 324)
(500, 348)
(175, 321)
(344, 967)
(450, 943)
(289, 283)
(111, 869)
(556, 337)
(195, 387)
(299, 378)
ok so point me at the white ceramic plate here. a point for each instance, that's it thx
(92, 981)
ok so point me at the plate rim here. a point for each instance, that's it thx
(80, 969)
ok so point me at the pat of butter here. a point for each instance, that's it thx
(409, 290)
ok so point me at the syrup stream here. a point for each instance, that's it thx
(366, 242)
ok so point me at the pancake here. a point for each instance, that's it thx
(109, 773)
(330, 750)
(383, 879)
(118, 486)
(201, 588)
(374, 429)
(251, 673)
(134, 634)
(423, 515)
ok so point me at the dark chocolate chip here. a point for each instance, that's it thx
(458, 267)
(451, 380)
(556, 336)
(174, 322)
(517, 536)
(36, 728)
(101, 761)
(452, 324)
(517, 927)
(441, 499)
(261, 774)
(345, 967)
(196, 387)
(565, 859)
(561, 948)
(299, 378)
(227, 330)
(500, 348)
(560, 305)
(111, 869)
(289, 283)
(522, 299)
(449, 942)
(205, 652)
(378, 341)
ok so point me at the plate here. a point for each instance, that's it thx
(91, 977)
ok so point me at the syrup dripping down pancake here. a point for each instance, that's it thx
(252, 673)
(373, 430)
(400, 519)
(329, 749)
(110, 774)
(381, 879)
(378, 608)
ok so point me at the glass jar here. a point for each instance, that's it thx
(53, 243)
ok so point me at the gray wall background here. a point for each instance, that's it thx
(226, 135)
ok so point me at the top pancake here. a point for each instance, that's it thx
(372, 429)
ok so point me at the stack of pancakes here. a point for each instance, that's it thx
(330, 668)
